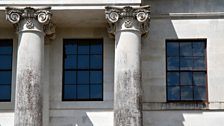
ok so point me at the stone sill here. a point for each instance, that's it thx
(157, 106)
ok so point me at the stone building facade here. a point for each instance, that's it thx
(111, 63)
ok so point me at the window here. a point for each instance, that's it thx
(5, 69)
(83, 70)
(186, 70)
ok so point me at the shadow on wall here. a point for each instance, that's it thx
(81, 118)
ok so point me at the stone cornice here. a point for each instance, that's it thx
(128, 14)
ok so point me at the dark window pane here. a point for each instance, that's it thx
(96, 62)
(83, 61)
(83, 77)
(186, 78)
(96, 91)
(173, 78)
(5, 77)
(70, 77)
(5, 62)
(186, 93)
(174, 93)
(83, 92)
(70, 92)
(199, 63)
(173, 63)
(186, 63)
(96, 77)
(199, 78)
(83, 47)
(71, 48)
(198, 49)
(172, 49)
(5, 92)
(96, 48)
(199, 93)
(185, 49)
(70, 62)
(6, 49)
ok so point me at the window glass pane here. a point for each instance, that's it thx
(69, 77)
(71, 48)
(5, 77)
(96, 48)
(185, 49)
(5, 49)
(5, 92)
(173, 63)
(96, 91)
(186, 93)
(186, 78)
(199, 93)
(70, 92)
(83, 92)
(186, 63)
(96, 62)
(83, 61)
(174, 93)
(199, 63)
(83, 47)
(173, 78)
(83, 77)
(172, 49)
(96, 77)
(70, 62)
(199, 78)
(198, 49)
(5, 62)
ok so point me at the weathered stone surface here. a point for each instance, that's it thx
(127, 24)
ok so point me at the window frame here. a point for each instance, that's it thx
(77, 40)
(10, 42)
(192, 71)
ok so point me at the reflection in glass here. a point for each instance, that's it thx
(96, 62)
(199, 78)
(174, 93)
(199, 93)
(199, 63)
(83, 61)
(96, 77)
(70, 91)
(173, 63)
(198, 49)
(186, 63)
(96, 91)
(173, 78)
(186, 93)
(185, 49)
(70, 48)
(70, 62)
(83, 77)
(5, 92)
(5, 62)
(83, 91)
(172, 49)
(5, 77)
(186, 78)
(69, 77)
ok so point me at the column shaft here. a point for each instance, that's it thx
(127, 76)
(28, 107)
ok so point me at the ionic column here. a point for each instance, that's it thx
(30, 25)
(128, 24)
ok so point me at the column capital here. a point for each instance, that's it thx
(29, 17)
(128, 15)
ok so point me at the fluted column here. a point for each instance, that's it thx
(127, 24)
(31, 24)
